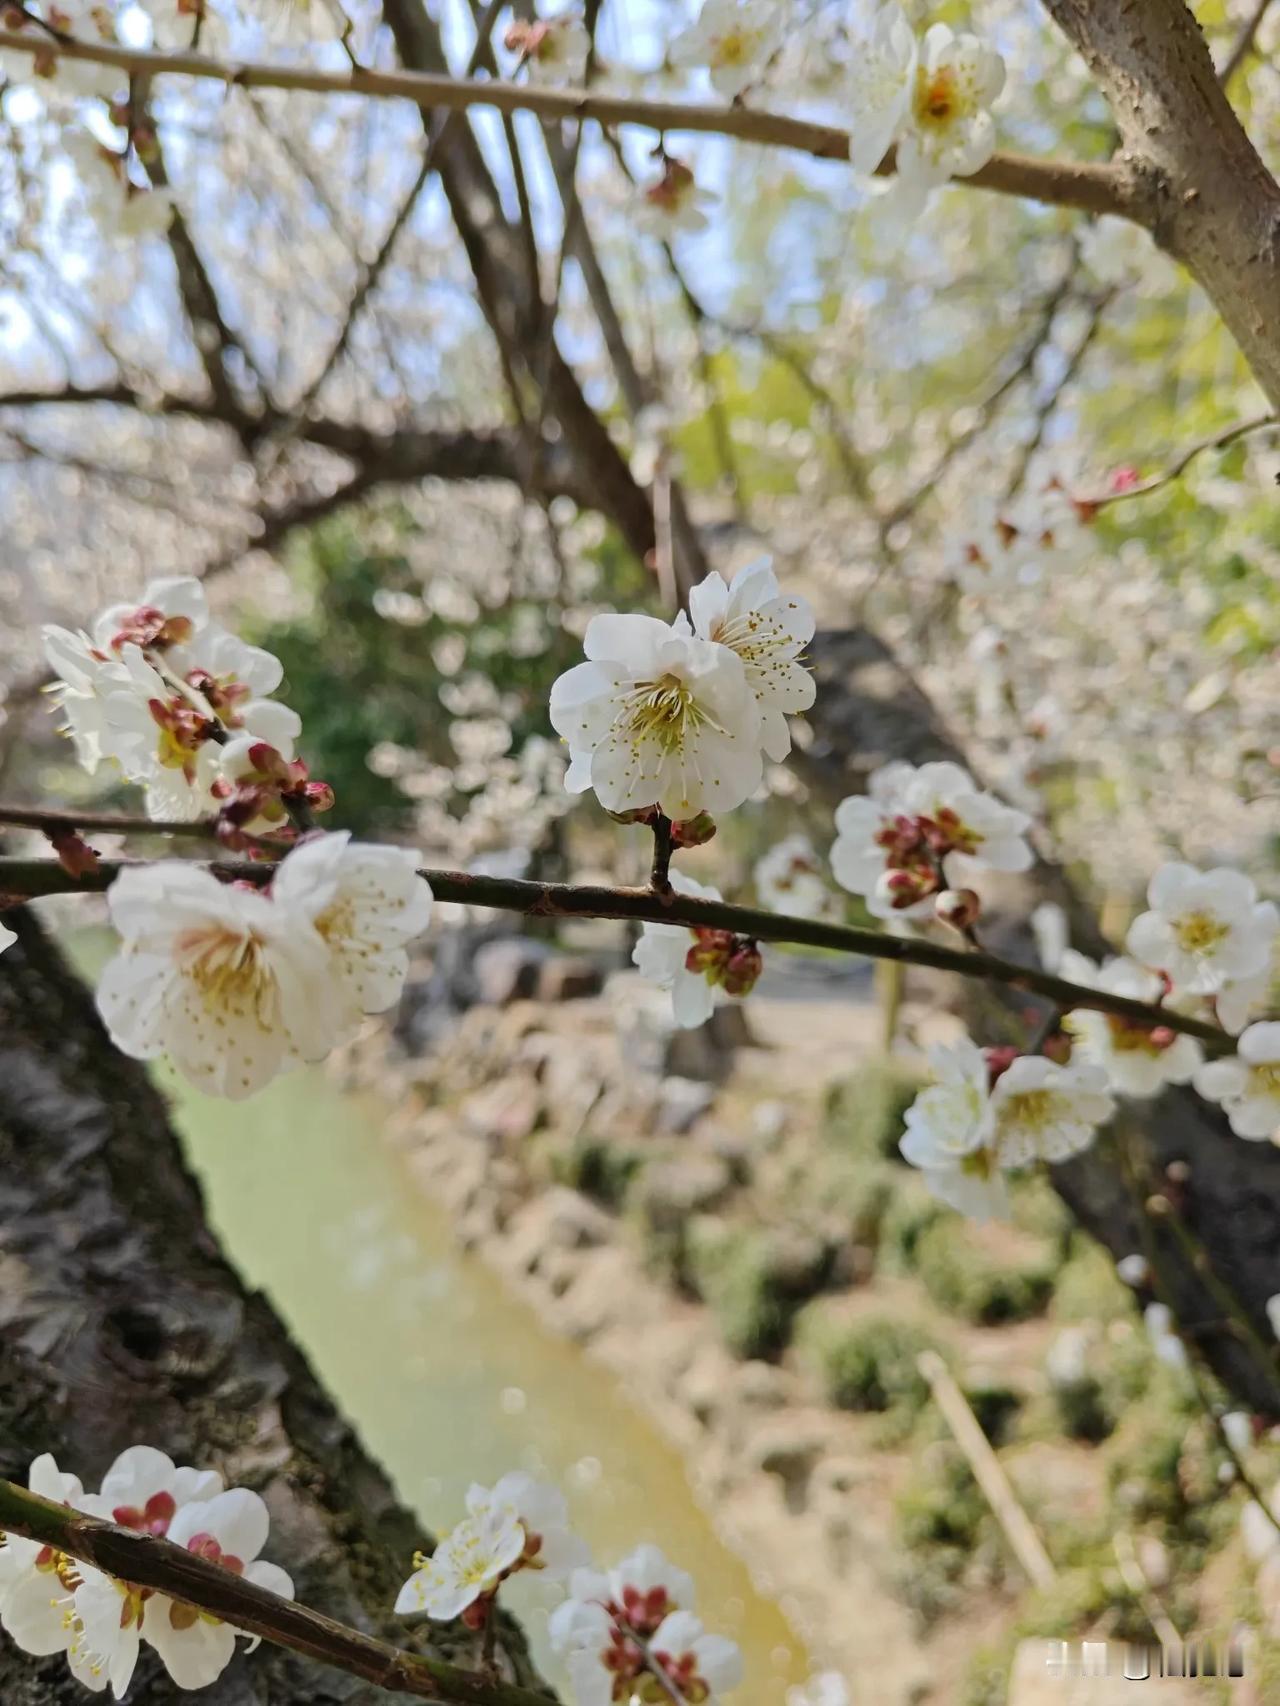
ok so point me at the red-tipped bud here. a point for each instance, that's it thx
(75, 855)
(999, 1060)
(318, 795)
(743, 968)
(903, 889)
(710, 952)
(960, 908)
(693, 831)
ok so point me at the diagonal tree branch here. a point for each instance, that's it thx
(35, 878)
(1089, 186)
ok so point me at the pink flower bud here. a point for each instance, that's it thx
(75, 855)
(999, 1060)
(743, 967)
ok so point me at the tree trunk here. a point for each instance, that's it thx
(869, 711)
(122, 1323)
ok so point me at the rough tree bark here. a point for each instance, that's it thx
(121, 1323)
(1195, 177)
(870, 711)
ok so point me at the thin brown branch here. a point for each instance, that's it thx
(150, 1562)
(29, 879)
(1089, 186)
(1215, 441)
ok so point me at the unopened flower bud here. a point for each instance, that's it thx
(75, 855)
(960, 908)
(999, 1060)
(318, 795)
(902, 889)
(710, 952)
(743, 968)
(693, 831)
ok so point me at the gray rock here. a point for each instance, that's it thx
(671, 1191)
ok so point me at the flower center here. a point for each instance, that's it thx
(1030, 1111)
(663, 711)
(227, 967)
(1264, 1080)
(1130, 1037)
(735, 47)
(1199, 932)
(937, 98)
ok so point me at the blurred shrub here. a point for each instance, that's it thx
(983, 1273)
(867, 1364)
(599, 1169)
(754, 1279)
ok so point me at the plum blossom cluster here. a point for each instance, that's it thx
(628, 1633)
(915, 840)
(235, 982)
(182, 707)
(1206, 943)
(52, 1603)
(682, 715)
(996, 1111)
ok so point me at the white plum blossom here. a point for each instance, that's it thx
(85, 676)
(518, 1524)
(153, 686)
(879, 83)
(553, 51)
(1138, 1059)
(121, 209)
(1273, 1314)
(92, 21)
(467, 1566)
(144, 1489)
(1247, 1084)
(36, 1581)
(300, 23)
(673, 203)
(229, 984)
(609, 1618)
(664, 952)
(1043, 1111)
(665, 718)
(769, 630)
(7, 937)
(366, 902)
(789, 879)
(917, 830)
(1205, 929)
(551, 1547)
(733, 39)
(949, 130)
(230, 1530)
(948, 1133)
